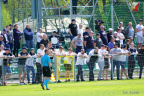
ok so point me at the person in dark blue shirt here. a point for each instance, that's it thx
(16, 35)
(89, 42)
(103, 35)
(46, 65)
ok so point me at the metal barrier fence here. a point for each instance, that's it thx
(101, 69)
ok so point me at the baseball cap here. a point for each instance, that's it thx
(73, 20)
(140, 20)
(10, 25)
(7, 49)
(116, 44)
(97, 34)
(24, 48)
(115, 32)
(60, 47)
(121, 22)
(4, 30)
(110, 29)
(82, 50)
(87, 27)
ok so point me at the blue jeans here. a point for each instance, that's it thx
(29, 43)
(117, 64)
(30, 68)
(80, 72)
(78, 49)
(91, 74)
(88, 50)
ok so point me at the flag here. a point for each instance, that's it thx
(136, 7)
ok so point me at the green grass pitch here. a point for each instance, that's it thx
(96, 88)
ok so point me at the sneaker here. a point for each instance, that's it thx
(47, 89)
(58, 81)
(42, 86)
(122, 79)
(77, 80)
(68, 80)
(128, 78)
(99, 79)
(22, 83)
(82, 80)
(5, 83)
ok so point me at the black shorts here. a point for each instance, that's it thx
(67, 66)
(46, 72)
(106, 66)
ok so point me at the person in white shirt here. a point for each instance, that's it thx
(2, 49)
(120, 36)
(103, 52)
(93, 56)
(59, 52)
(68, 62)
(40, 53)
(39, 36)
(80, 30)
(30, 66)
(1, 60)
(125, 52)
(80, 61)
(140, 38)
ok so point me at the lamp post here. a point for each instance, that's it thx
(1, 23)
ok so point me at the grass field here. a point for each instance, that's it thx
(96, 88)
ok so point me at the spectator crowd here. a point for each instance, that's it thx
(115, 48)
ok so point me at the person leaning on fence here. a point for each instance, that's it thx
(44, 40)
(59, 52)
(23, 55)
(68, 62)
(1, 60)
(131, 60)
(123, 58)
(80, 61)
(101, 62)
(30, 66)
(116, 52)
(40, 53)
(46, 66)
(92, 58)
(6, 64)
(140, 59)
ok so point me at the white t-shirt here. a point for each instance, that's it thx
(57, 52)
(121, 35)
(30, 60)
(139, 27)
(1, 59)
(38, 38)
(102, 52)
(81, 60)
(81, 32)
(6, 37)
(68, 60)
(41, 52)
(123, 57)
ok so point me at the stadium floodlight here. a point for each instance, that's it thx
(5, 1)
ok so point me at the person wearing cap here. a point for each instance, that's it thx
(23, 55)
(28, 34)
(139, 30)
(121, 27)
(123, 59)
(103, 52)
(39, 36)
(7, 39)
(73, 29)
(10, 31)
(86, 33)
(93, 56)
(79, 63)
(68, 62)
(6, 64)
(129, 31)
(111, 44)
(140, 59)
(98, 41)
(16, 36)
(54, 38)
(77, 42)
(116, 52)
(30, 66)
(109, 34)
(44, 40)
(131, 60)
(103, 35)
(40, 53)
(60, 52)
(89, 42)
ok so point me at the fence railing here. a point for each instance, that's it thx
(65, 68)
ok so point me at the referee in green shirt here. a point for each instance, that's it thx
(46, 65)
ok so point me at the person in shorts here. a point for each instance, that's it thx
(6, 64)
(46, 66)
(23, 55)
(68, 63)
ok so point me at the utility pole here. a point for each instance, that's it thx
(1, 23)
